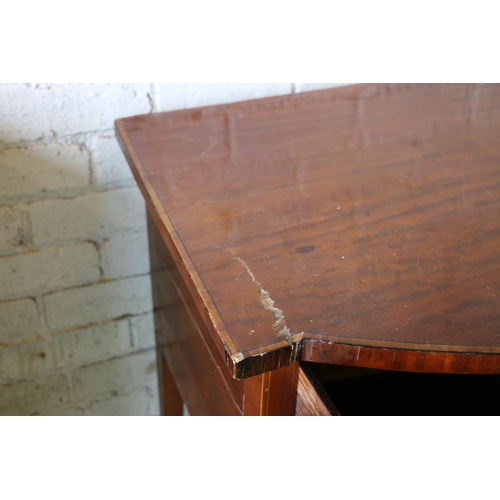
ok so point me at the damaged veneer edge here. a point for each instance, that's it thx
(247, 366)
(256, 364)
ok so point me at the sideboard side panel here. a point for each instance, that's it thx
(202, 379)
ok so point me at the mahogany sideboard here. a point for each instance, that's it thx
(331, 252)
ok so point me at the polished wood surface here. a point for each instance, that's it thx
(273, 393)
(356, 223)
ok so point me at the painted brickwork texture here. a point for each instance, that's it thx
(76, 328)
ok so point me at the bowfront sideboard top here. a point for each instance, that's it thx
(358, 225)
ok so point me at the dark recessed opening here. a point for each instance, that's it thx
(357, 391)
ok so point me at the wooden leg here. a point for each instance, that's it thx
(273, 393)
(171, 403)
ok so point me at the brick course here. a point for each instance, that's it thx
(48, 269)
(97, 303)
(133, 261)
(71, 349)
(37, 170)
(92, 216)
(28, 396)
(108, 377)
(18, 320)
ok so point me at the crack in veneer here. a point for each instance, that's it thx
(267, 303)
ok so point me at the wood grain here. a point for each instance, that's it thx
(369, 215)
(203, 381)
(273, 393)
(171, 403)
(312, 399)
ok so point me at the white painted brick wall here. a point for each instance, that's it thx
(27, 396)
(36, 170)
(109, 166)
(137, 402)
(76, 328)
(96, 303)
(48, 269)
(133, 261)
(91, 216)
(12, 229)
(113, 375)
(65, 350)
(142, 326)
(33, 111)
(18, 320)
